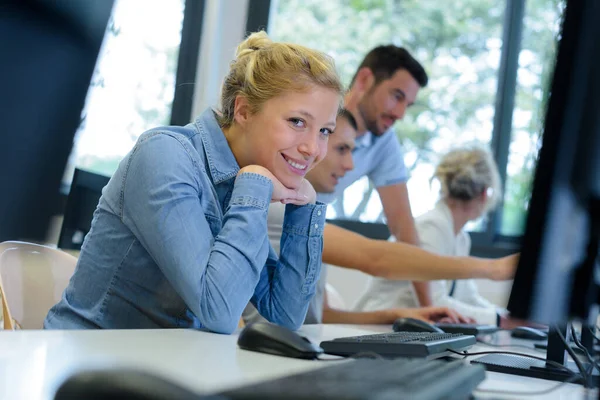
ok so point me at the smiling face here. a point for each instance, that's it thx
(289, 134)
(324, 177)
(387, 101)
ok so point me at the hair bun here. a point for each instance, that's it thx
(466, 172)
(254, 42)
(463, 184)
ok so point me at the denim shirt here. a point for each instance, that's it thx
(177, 241)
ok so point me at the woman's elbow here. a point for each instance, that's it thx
(225, 324)
(289, 322)
(224, 327)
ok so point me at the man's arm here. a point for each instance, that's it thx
(396, 206)
(397, 260)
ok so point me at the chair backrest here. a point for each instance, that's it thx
(32, 279)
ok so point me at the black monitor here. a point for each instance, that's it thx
(86, 189)
(49, 50)
(555, 278)
(558, 275)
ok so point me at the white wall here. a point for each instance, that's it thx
(223, 29)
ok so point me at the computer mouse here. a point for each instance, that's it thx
(414, 325)
(526, 332)
(265, 337)
(121, 384)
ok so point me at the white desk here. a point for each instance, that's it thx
(34, 363)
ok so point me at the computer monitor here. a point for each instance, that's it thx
(49, 50)
(86, 189)
(557, 279)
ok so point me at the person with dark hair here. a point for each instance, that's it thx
(385, 85)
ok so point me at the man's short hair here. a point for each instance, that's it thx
(384, 61)
(349, 117)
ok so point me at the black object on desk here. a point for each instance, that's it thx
(265, 337)
(556, 279)
(468, 329)
(123, 384)
(357, 379)
(400, 344)
(414, 325)
(371, 379)
(528, 333)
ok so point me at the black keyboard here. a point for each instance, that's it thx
(380, 379)
(468, 329)
(400, 344)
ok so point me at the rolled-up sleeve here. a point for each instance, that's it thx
(288, 283)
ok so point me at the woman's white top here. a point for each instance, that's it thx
(436, 233)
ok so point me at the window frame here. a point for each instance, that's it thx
(187, 62)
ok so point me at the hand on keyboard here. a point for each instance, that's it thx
(434, 314)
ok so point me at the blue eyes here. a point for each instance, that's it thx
(301, 124)
(297, 122)
(326, 131)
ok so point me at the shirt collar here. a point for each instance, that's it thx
(221, 161)
(365, 140)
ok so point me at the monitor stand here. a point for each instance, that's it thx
(525, 366)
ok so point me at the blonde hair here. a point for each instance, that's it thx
(264, 69)
(465, 173)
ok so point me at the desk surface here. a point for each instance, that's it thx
(34, 363)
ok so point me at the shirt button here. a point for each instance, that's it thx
(319, 213)
(316, 226)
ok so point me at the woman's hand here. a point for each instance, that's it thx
(305, 194)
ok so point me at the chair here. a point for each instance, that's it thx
(32, 280)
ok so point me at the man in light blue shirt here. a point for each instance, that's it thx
(385, 85)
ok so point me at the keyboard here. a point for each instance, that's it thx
(381, 379)
(468, 329)
(400, 344)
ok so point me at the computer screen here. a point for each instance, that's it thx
(558, 276)
(49, 50)
(86, 189)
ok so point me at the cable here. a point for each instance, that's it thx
(571, 379)
(583, 348)
(582, 371)
(479, 353)
(592, 333)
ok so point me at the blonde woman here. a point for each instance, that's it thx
(179, 237)
(469, 188)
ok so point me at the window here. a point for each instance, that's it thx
(133, 86)
(461, 47)
(541, 26)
